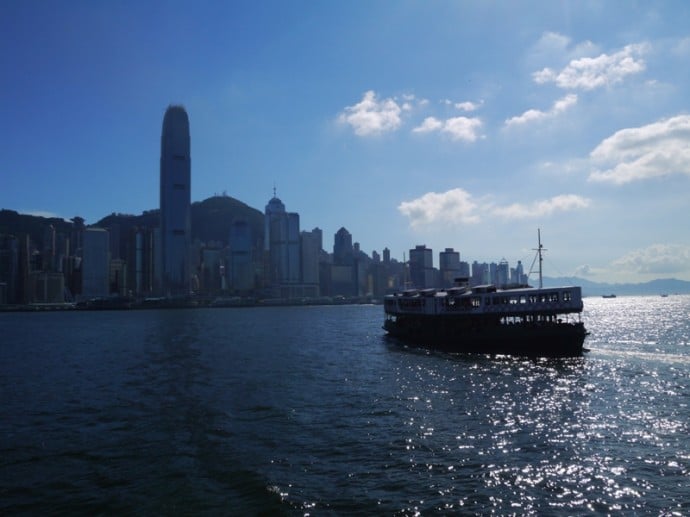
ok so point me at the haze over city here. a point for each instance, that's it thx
(451, 124)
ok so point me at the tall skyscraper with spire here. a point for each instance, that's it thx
(282, 243)
(175, 203)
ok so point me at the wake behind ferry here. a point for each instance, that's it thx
(544, 322)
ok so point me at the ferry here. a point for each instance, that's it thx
(525, 321)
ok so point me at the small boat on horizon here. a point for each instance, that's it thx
(608, 295)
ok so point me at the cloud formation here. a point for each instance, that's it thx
(457, 206)
(655, 150)
(372, 116)
(453, 206)
(659, 259)
(546, 207)
(463, 106)
(588, 73)
(458, 128)
(534, 115)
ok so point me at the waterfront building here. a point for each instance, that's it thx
(9, 269)
(175, 203)
(212, 270)
(240, 267)
(118, 275)
(449, 266)
(311, 251)
(503, 274)
(344, 272)
(422, 267)
(282, 247)
(518, 274)
(343, 250)
(95, 263)
(480, 273)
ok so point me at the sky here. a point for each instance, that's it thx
(453, 124)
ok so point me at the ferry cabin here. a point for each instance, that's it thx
(521, 305)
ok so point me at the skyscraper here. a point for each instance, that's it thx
(422, 267)
(175, 201)
(95, 268)
(282, 243)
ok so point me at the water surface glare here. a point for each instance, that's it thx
(311, 410)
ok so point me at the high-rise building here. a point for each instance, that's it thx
(422, 267)
(449, 266)
(175, 203)
(343, 250)
(95, 266)
(282, 244)
(240, 270)
(311, 249)
(502, 274)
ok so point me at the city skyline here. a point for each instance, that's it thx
(463, 125)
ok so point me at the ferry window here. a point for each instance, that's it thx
(476, 302)
(566, 296)
(523, 299)
(532, 298)
(553, 297)
(513, 300)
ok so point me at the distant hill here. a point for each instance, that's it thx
(211, 221)
(653, 287)
(212, 218)
(14, 223)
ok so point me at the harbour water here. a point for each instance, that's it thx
(311, 410)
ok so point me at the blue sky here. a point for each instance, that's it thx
(451, 124)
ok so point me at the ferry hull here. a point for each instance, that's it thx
(535, 340)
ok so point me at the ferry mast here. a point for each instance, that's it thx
(539, 250)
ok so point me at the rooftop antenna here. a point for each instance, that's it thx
(274, 189)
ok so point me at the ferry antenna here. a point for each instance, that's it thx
(539, 251)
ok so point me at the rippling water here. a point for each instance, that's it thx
(311, 410)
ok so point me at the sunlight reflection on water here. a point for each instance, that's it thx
(311, 410)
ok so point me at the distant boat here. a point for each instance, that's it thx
(664, 295)
(484, 319)
(609, 296)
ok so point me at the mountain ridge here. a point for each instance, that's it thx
(652, 287)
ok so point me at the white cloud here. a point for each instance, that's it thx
(467, 106)
(462, 128)
(534, 115)
(372, 116)
(453, 206)
(561, 203)
(553, 46)
(654, 150)
(459, 128)
(458, 206)
(656, 259)
(463, 106)
(429, 124)
(550, 41)
(588, 73)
